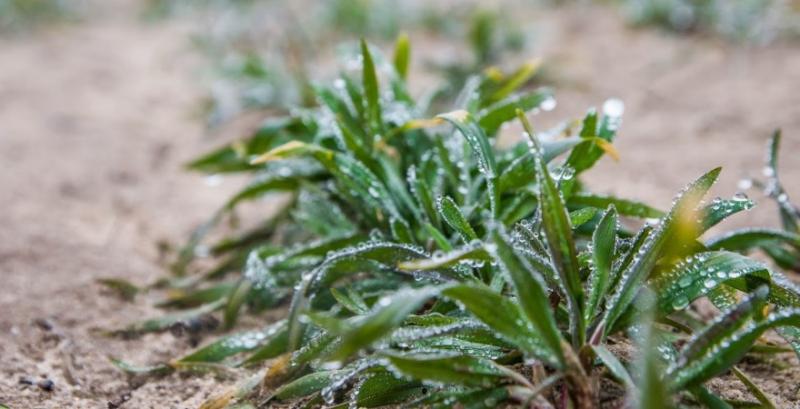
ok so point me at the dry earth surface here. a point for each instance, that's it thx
(96, 118)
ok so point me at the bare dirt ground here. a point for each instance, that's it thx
(96, 118)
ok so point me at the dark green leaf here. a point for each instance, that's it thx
(451, 214)
(603, 248)
(531, 291)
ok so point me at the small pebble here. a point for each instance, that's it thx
(46, 385)
(44, 324)
(119, 401)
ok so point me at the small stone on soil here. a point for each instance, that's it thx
(46, 385)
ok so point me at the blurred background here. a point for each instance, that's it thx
(103, 101)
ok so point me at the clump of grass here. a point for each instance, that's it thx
(246, 73)
(18, 15)
(424, 265)
(740, 20)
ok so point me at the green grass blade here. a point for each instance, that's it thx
(494, 116)
(371, 90)
(473, 252)
(558, 232)
(614, 366)
(475, 136)
(624, 207)
(746, 239)
(402, 56)
(603, 248)
(449, 369)
(581, 216)
(387, 315)
(531, 291)
(762, 397)
(700, 273)
(237, 343)
(720, 209)
(502, 315)
(632, 278)
(451, 214)
(305, 386)
(383, 388)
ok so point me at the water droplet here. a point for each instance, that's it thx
(740, 197)
(745, 184)
(613, 107)
(548, 104)
(680, 303)
(213, 180)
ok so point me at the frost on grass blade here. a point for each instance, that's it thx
(746, 239)
(450, 213)
(238, 343)
(531, 291)
(603, 248)
(494, 116)
(624, 207)
(558, 233)
(504, 316)
(719, 209)
(700, 273)
(726, 349)
(446, 368)
(388, 313)
(476, 137)
(643, 262)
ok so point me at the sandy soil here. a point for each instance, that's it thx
(96, 118)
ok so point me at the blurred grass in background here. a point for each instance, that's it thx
(20, 15)
(261, 53)
(747, 21)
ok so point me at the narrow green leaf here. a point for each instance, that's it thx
(558, 232)
(746, 239)
(632, 278)
(188, 299)
(451, 214)
(723, 344)
(450, 369)
(624, 207)
(166, 321)
(491, 118)
(234, 344)
(614, 366)
(371, 89)
(126, 290)
(402, 55)
(790, 215)
(474, 252)
(531, 291)
(753, 388)
(388, 313)
(352, 301)
(305, 386)
(700, 273)
(466, 124)
(709, 399)
(720, 209)
(235, 301)
(503, 316)
(383, 388)
(603, 247)
(581, 216)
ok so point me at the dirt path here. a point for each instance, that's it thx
(95, 120)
